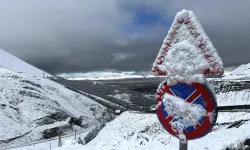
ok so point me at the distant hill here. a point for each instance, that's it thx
(240, 72)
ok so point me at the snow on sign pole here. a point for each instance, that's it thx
(186, 106)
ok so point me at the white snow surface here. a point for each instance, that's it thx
(25, 99)
(13, 63)
(228, 70)
(184, 63)
(187, 114)
(184, 32)
(134, 131)
(241, 72)
(123, 97)
(233, 98)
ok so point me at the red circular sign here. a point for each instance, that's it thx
(195, 93)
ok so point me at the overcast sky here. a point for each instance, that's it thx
(94, 35)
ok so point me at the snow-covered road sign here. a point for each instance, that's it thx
(196, 94)
(187, 27)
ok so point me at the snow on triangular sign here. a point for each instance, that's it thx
(187, 27)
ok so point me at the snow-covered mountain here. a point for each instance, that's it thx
(13, 63)
(234, 87)
(115, 75)
(242, 72)
(105, 75)
(33, 106)
(228, 70)
(30, 105)
(231, 92)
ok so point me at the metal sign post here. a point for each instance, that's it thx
(183, 145)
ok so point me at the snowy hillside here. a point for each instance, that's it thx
(242, 72)
(231, 92)
(13, 63)
(234, 88)
(30, 105)
(234, 98)
(116, 97)
(228, 70)
(133, 131)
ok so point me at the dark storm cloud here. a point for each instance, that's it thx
(226, 23)
(80, 35)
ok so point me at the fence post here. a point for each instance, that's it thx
(50, 146)
(75, 134)
(60, 141)
(26, 137)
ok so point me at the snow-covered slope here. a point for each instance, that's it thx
(242, 72)
(232, 98)
(133, 131)
(234, 87)
(228, 70)
(114, 95)
(231, 92)
(29, 105)
(13, 63)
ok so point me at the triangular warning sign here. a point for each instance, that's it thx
(187, 27)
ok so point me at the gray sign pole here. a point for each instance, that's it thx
(183, 145)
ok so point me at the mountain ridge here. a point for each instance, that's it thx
(11, 62)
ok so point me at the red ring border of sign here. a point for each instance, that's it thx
(206, 126)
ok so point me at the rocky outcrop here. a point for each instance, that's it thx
(223, 86)
(231, 92)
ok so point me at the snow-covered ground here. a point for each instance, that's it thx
(52, 143)
(122, 97)
(13, 63)
(134, 131)
(234, 98)
(228, 70)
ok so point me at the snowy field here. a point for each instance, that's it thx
(52, 143)
(133, 131)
